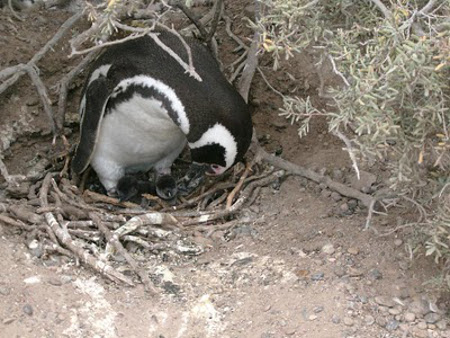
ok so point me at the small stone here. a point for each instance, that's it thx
(398, 242)
(375, 274)
(290, 331)
(369, 320)
(325, 193)
(410, 317)
(339, 271)
(422, 325)
(381, 321)
(4, 291)
(352, 203)
(392, 325)
(66, 279)
(432, 317)
(54, 281)
(28, 309)
(318, 309)
(312, 317)
(395, 311)
(363, 299)
(353, 251)
(335, 319)
(336, 196)
(344, 207)
(267, 308)
(419, 333)
(348, 321)
(384, 301)
(8, 321)
(419, 307)
(441, 325)
(328, 249)
(366, 180)
(317, 276)
(337, 174)
(352, 272)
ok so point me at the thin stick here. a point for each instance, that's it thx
(113, 239)
(350, 151)
(230, 198)
(386, 12)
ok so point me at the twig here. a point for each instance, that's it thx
(386, 12)
(349, 150)
(194, 19)
(42, 91)
(14, 13)
(150, 218)
(113, 239)
(218, 7)
(230, 198)
(278, 162)
(93, 197)
(65, 238)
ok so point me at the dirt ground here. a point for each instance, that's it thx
(298, 264)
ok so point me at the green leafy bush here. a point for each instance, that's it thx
(393, 102)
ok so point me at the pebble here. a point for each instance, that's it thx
(318, 309)
(392, 325)
(328, 249)
(312, 317)
(335, 319)
(432, 317)
(410, 317)
(28, 309)
(353, 251)
(348, 321)
(419, 333)
(381, 321)
(398, 242)
(326, 193)
(55, 281)
(339, 271)
(344, 207)
(5, 291)
(419, 307)
(352, 272)
(375, 274)
(441, 325)
(369, 320)
(422, 325)
(336, 196)
(317, 276)
(395, 311)
(290, 331)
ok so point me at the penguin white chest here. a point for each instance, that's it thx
(136, 134)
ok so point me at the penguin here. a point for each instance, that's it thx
(139, 109)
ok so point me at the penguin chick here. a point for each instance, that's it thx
(140, 108)
(130, 187)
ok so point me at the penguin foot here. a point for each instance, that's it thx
(166, 187)
(193, 178)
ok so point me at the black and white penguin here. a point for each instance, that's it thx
(140, 108)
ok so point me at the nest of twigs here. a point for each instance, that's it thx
(110, 236)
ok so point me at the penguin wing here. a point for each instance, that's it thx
(97, 95)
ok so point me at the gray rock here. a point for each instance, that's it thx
(392, 325)
(339, 271)
(335, 319)
(318, 309)
(318, 276)
(4, 291)
(384, 301)
(328, 249)
(325, 193)
(369, 320)
(422, 325)
(381, 321)
(336, 196)
(348, 321)
(419, 307)
(366, 180)
(28, 309)
(410, 317)
(442, 324)
(375, 274)
(432, 317)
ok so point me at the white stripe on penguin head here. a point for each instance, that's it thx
(219, 134)
(162, 88)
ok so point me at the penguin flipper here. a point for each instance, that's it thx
(97, 95)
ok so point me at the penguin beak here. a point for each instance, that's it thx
(214, 170)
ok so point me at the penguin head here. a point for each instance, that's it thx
(219, 148)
